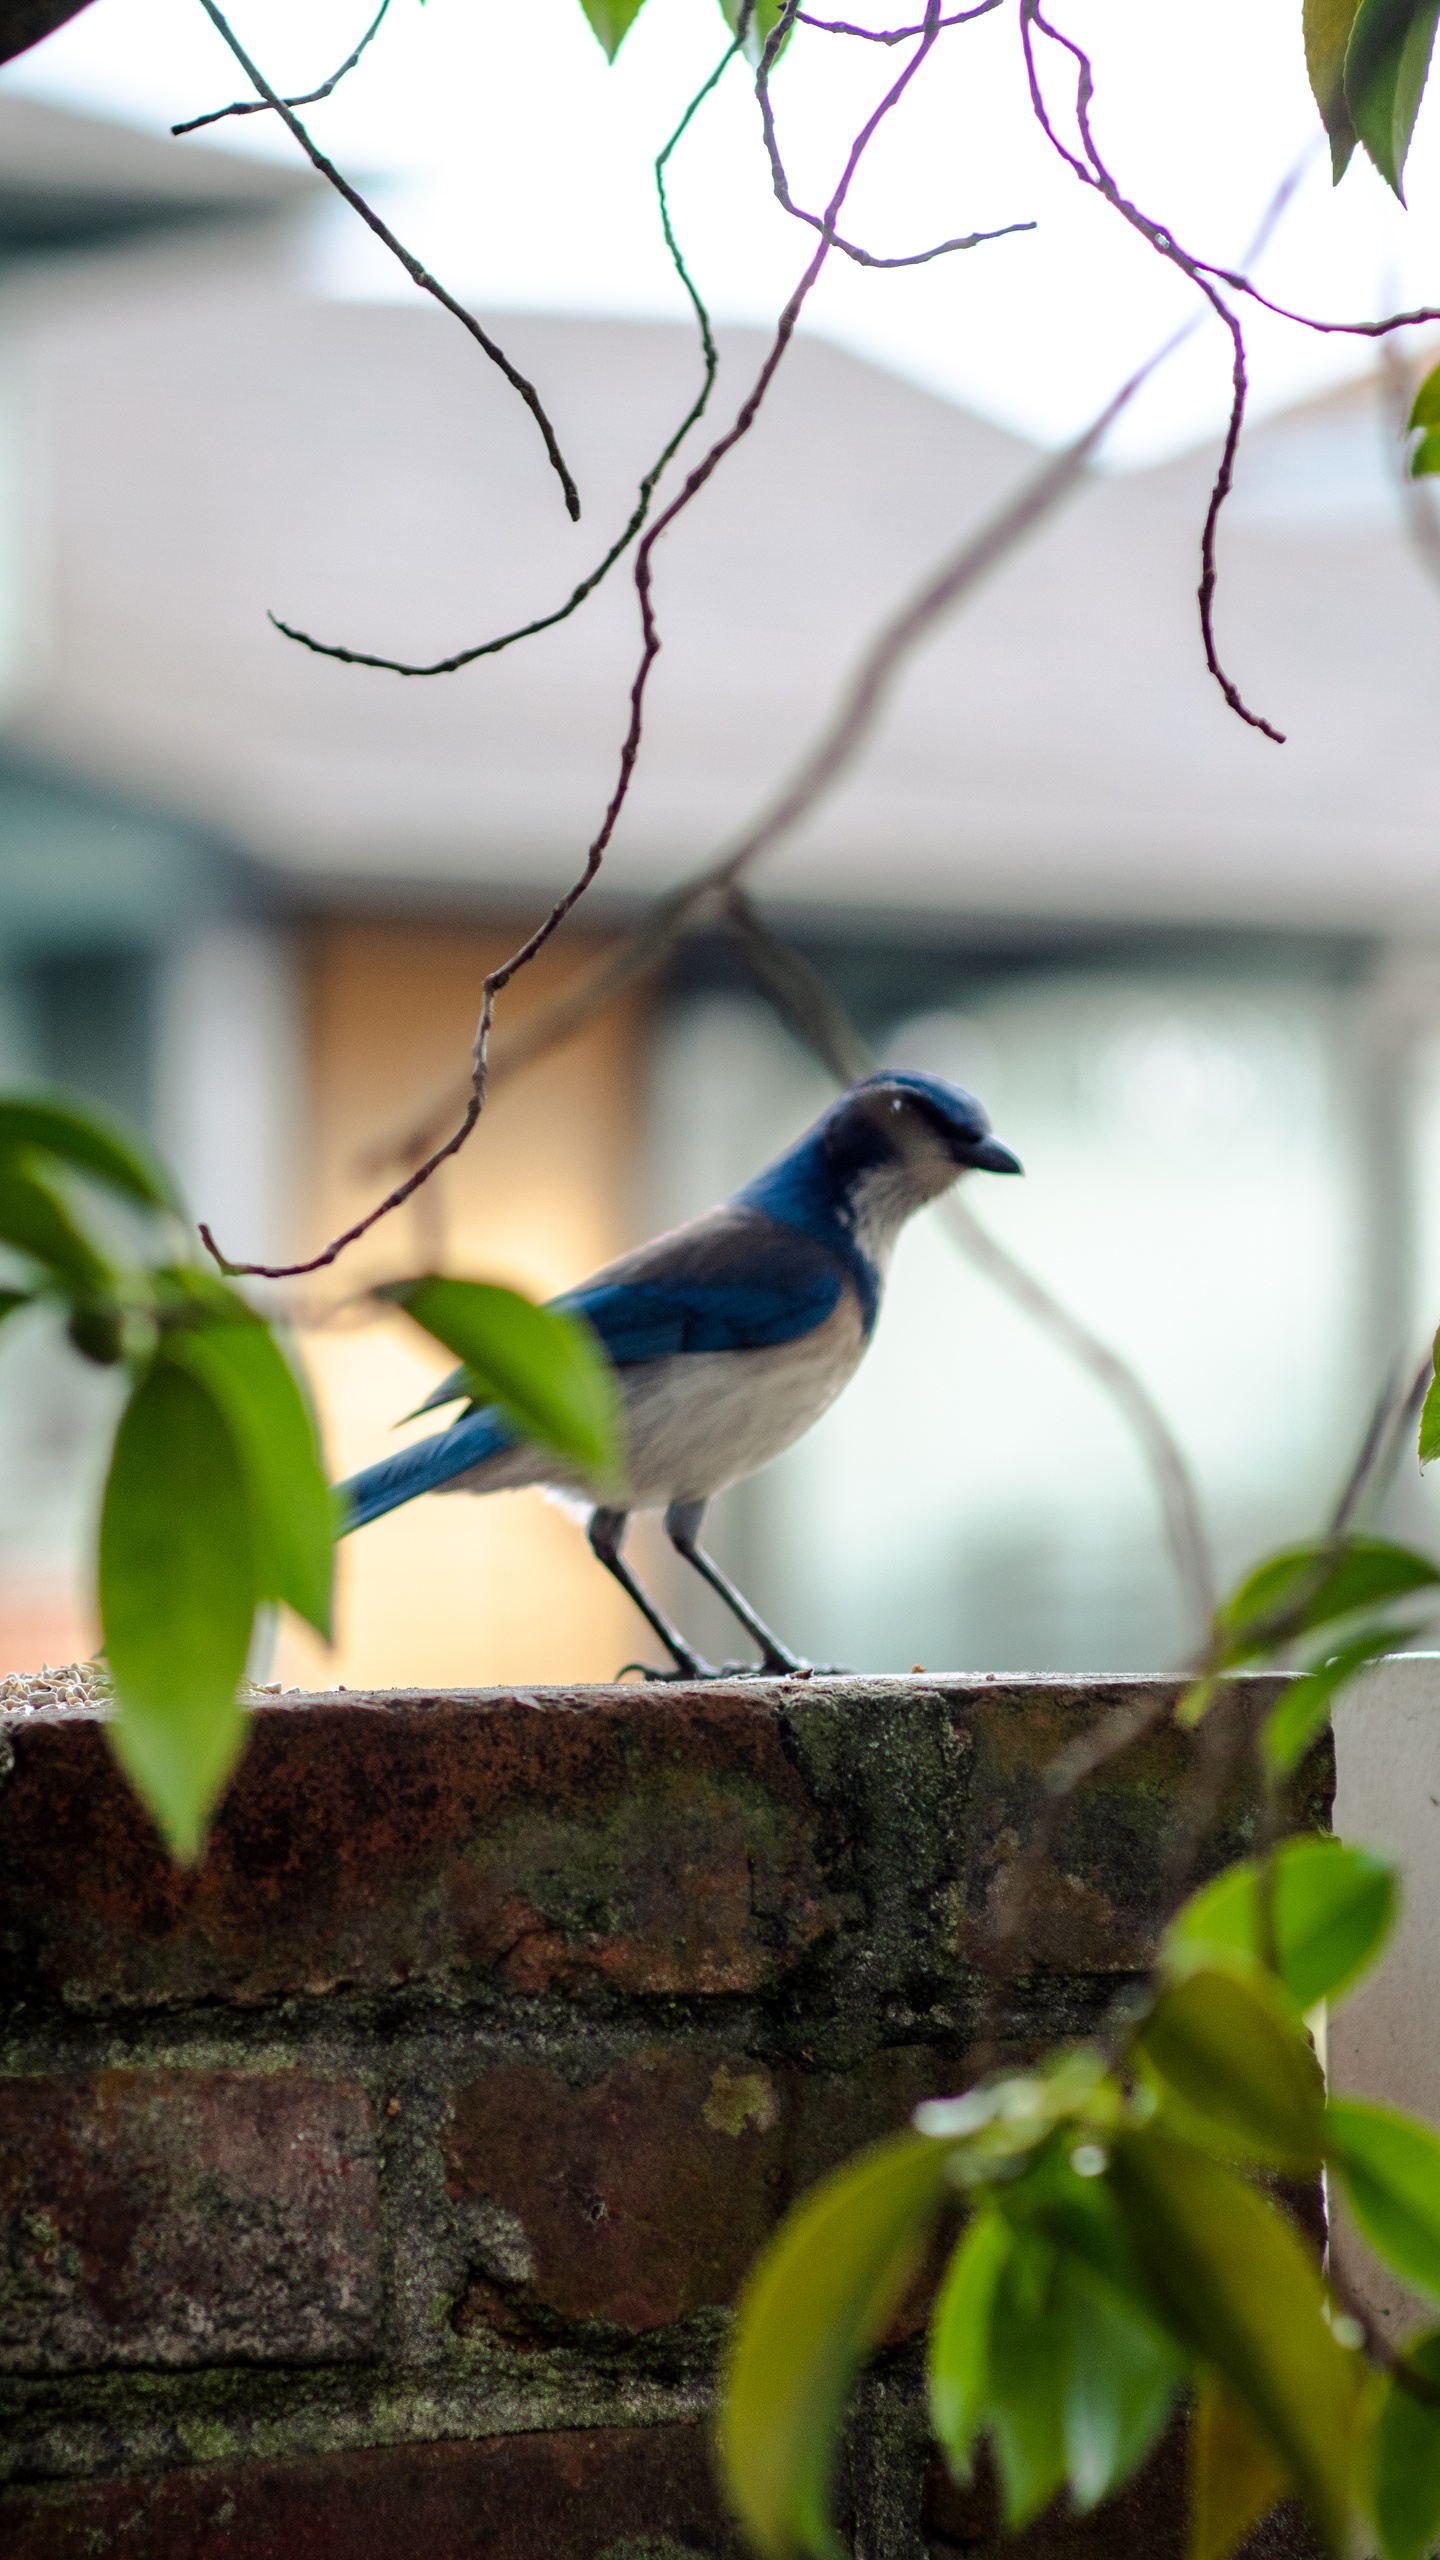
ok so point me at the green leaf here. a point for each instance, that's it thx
(1235, 2478)
(1327, 33)
(35, 1221)
(1391, 2169)
(1424, 464)
(12, 1299)
(1240, 2290)
(820, 2297)
(89, 1139)
(612, 21)
(292, 1512)
(1334, 1906)
(1407, 2460)
(1120, 2382)
(1426, 399)
(764, 18)
(1230, 2047)
(1425, 412)
(1029, 2345)
(177, 1600)
(1304, 1710)
(545, 1369)
(959, 2348)
(1387, 61)
(1305, 1588)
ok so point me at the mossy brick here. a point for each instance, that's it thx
(636, 1841)
(605, 2493)
(643, 2194)
(186, 2218)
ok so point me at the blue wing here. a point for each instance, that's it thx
(732, 1281)
(420, 1469)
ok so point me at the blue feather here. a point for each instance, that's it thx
(420, 1469)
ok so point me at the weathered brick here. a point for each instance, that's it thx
(186, 2218)
(1098, 1895)
(646, 1841)
(1148, 2520)
(645, 2193)
(593, 2494)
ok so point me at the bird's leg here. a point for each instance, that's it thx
(682, 1528)
(606, 1531)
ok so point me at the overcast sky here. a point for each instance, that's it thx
(518, 165)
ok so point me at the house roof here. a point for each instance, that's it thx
(69, 181)
(215, 442)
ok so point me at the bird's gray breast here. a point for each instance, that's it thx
(702, 1420)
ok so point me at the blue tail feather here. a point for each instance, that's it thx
(420, 1469)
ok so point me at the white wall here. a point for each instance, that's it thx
(230, 1083)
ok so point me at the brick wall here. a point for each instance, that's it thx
(381, 2187)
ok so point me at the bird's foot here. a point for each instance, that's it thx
(696, 1669)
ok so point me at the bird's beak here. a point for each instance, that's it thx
(988, 1155)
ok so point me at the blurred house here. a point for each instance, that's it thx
(249, 894)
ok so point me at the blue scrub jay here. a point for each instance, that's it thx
(730, 1335)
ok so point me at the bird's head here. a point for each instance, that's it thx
(898, 1140)
(921, 1127)
(878, 1154)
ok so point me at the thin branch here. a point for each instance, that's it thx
(640, 511)
(1092, 172)
(697, 479)
(1396, 1413)
(799, 213)
(892, 35)
(307, 98)
(418, 274)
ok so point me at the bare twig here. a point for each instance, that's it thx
(1396, 1412)
(892, 35)
(696, 480)
(419, 275)
(864, 257)
(307, 97)
(646, 491)
(1092, 172)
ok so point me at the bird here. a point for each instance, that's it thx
(730, 1336)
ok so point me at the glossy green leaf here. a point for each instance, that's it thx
(177, 1600)
(1306, 1588)
(1120, 2383)
(1029, 2346)
(1229, 2045)
(1407, 2460)
(818, 2300)
(91, 1140)
(1334, 1907)
(1387, 61)
(1235, 2477)
(959, 2348)
(612, 21)
(1304, 1710)
(292, 1514)
(1327, 25)
(35, 1221)
(1424, 464)
(546, 1370)
(1240, 2290)
(1391, 2169)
